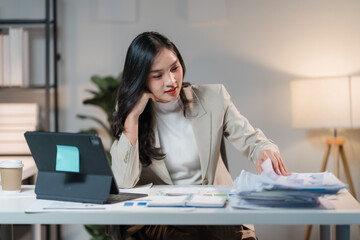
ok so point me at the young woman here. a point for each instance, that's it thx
(170, 132)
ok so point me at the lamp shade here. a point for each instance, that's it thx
(326, 103)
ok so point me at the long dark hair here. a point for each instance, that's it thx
(139, 59)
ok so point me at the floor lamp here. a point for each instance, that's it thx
(328, 103)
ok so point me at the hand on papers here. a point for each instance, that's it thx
(276, 160)
(269, 180)
(268, 189)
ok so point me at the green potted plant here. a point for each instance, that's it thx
(104, 98)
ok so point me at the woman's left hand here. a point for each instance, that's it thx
(277, 162)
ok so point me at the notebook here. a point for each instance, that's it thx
(73, 167)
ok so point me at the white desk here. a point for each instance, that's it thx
(347, 212)
(29, 170)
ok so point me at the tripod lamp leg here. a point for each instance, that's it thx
(347, 171)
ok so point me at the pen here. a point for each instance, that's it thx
(92, 208)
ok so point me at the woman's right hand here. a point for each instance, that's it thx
(141, 104)
(132, 120)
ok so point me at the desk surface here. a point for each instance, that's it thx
(12, 211)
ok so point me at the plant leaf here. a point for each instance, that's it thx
(89, 131)
(107, 129)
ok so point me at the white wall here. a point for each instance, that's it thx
(255, 53)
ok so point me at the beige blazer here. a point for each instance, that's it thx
(212, 115)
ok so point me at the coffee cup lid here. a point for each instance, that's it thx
(11, 164)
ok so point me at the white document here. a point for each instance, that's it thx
(268, 179)
(270, 190)
(191, 200)
(325, 180)
(206, 201)
(141, 189)
(53, 206)
(168, 201)
(178, 191)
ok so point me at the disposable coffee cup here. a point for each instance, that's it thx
(11, 175)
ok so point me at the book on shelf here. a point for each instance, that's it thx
(18, 120)
(15, 35)
(19, 114)
(1, 60)
(25, 59)
(14, 148)
(14, 58)
(15, 120)
(18, 108)
(5, 60)
(13, 136)
(17, 128)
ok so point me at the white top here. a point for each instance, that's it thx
(178, 142)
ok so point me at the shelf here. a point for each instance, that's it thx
(49, 88)
(30, 87)
(14, 155)
(24, 21)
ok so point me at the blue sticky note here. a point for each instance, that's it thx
(67, 158)
(142, 203)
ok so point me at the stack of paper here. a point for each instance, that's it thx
(15, 120)
(269, 190)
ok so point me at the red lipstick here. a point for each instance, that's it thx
(172, 91)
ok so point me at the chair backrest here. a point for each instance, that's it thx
(223, 153)
(222, 174)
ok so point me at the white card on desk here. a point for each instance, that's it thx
(192, 200)
(206, 201)
(168, 201)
